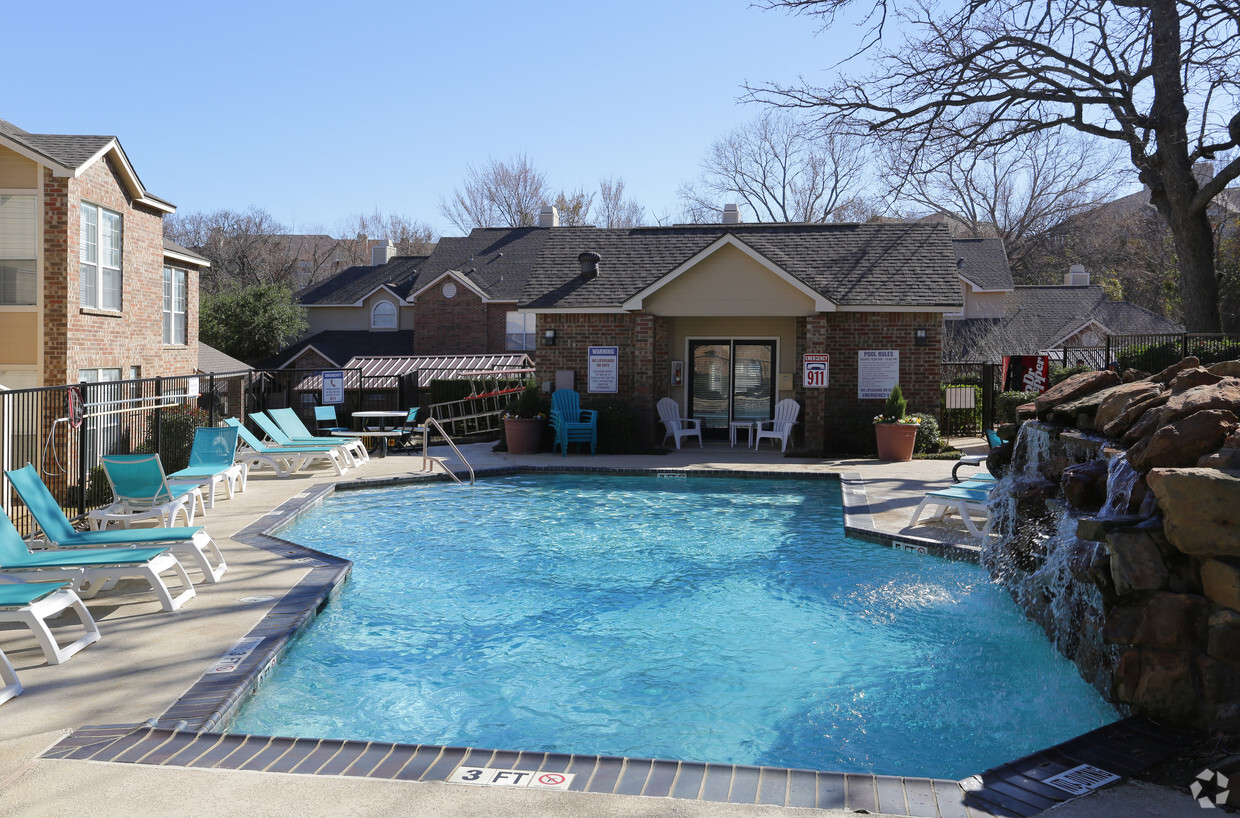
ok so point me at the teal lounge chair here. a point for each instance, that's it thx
(90, 569)
(965, 502)
(286, 460)
(278, 438)
(33, 603)
(298, 435)
(139, 486)
(571, 423)
(325, 420)
(213, 460)
(193, 543)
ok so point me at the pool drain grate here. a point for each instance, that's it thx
(1081, 779)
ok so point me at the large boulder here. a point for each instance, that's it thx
(1136, 562)
(1220, 582)
(1077, 386)
(1184, 442)
(1169, 374)
(1084, 485)
(1144, 427)
(1228, 369)
(1223, 395)
(1121, 399)
(1197, 376)
(1201, 509)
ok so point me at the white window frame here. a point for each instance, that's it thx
(374, 324)
(95, 264)
(522, 341)
(107, 430)
(7, 254)
(176, 306)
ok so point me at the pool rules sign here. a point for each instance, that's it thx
(816, 370)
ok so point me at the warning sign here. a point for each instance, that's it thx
(488, 777)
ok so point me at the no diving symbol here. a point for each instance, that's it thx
(551, 779)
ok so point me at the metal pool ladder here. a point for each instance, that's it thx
(425, 429)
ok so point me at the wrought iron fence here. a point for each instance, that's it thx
(64, 430)
(1152, 353)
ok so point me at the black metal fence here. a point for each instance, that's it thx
(1152, 353)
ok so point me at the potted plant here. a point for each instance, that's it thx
(894, 430)
(524, 421)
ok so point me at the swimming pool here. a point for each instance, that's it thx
(700, 619)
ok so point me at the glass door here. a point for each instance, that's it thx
(730, 380)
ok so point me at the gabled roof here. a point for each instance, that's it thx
(850, 265)
(351, 285)
(176, 252)
(496, 260)
(983, 263)
(71, 154)
(338, 346)
(211, 359)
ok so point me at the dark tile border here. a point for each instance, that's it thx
(183, 736)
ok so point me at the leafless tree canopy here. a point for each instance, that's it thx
(1017, 192)
(498, 194)
(616, 211)
(1159, 77)
(247, 248)
(411, 237)
(779, 168)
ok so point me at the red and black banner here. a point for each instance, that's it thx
(1026, 373)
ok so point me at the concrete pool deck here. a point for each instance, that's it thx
(148, 659)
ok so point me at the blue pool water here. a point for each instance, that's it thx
(703, 619)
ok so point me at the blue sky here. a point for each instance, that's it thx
(317, 111)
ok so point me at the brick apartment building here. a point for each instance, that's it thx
(89, 288)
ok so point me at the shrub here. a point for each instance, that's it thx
(1059, 372)
(1006, 403)
(928, 439)
(895, 408)
(98, 490)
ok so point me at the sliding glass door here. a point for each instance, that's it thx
(731, 380)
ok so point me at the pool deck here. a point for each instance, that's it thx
(148, 660)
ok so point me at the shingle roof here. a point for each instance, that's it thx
(211, 359)
(340, 345)
(354, 283)
(172, 246)
(497, 260)
(1040, 316)
(984, 263)
(851, 264)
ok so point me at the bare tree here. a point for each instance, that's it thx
(1017, 192)
(247, 248)
(497, 194)
(574, 208)
(354, 236)
(614, 210)
(1159, 77)
(780, 168)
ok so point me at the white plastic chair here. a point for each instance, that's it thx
(786, 412)
(678, 427)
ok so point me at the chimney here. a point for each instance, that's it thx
(731, 214)
(382, 253)
(548, 217)
(1203, 172)
(589, 265)
(1076, 277)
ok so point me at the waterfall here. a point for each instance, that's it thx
(1121, 479)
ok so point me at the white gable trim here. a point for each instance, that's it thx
(821, 304)
(455, 276)
(193, 261)
(36, 157)
(978, 289)
(1095, 322)
(127, 173)
(361, 302)
(309, 348)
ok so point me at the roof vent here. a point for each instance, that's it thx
(731, 214)
(589, 264)
(548, 216)
(1077, 276)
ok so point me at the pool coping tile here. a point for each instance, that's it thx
(189, 733)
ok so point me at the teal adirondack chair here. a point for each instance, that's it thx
(571, 423)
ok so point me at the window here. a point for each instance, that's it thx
(103, 400)
(520, 330)
(383, 316)
(100, 251)
(18, 254)
(175, 297)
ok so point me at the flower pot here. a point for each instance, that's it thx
(895, 440)
(524, 435)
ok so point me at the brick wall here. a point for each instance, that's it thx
(78, 337)
(449, 326)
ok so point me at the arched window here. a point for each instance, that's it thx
(383, 315)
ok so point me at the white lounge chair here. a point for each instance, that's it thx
(33, 603)
(8, 678)
(676, 426)
(786, 412)
(213, 460)
(139, 486)
(284, 459)
(966, 501)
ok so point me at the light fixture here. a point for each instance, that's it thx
(549, 338)
(919, 337)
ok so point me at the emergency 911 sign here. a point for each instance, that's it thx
(817, 371)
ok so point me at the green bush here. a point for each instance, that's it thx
(98, 490)
(176, 434)
(896, 406)
(928, 439)
(1059, 372)
(1006, 403)
(1149, 357)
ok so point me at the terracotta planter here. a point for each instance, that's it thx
(895, 440)
(524, 435)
